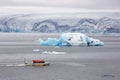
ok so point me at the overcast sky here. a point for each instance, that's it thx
(89, 4)
(65, 5)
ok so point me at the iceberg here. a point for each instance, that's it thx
(71, 39)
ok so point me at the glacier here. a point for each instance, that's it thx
(41, 24)
(71, 39)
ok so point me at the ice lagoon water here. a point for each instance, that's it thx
(80, 63)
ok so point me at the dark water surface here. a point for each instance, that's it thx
(80, 63)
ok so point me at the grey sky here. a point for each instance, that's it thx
(82, 4)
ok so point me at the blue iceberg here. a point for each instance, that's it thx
(72, 39)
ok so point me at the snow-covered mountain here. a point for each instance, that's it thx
(36, 23)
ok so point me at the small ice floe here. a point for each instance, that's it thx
(47, 52)
(57, 47)
(53, 52)
(36, 50)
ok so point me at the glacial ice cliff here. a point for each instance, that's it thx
(34, 23)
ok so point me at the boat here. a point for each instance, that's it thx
(37, 63)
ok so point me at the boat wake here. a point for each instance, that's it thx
(12, 65)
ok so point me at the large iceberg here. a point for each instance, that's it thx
(72, 39)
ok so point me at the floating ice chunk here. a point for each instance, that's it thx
(53, 52)
(57, 47)
(72, 39)
(36, 50)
